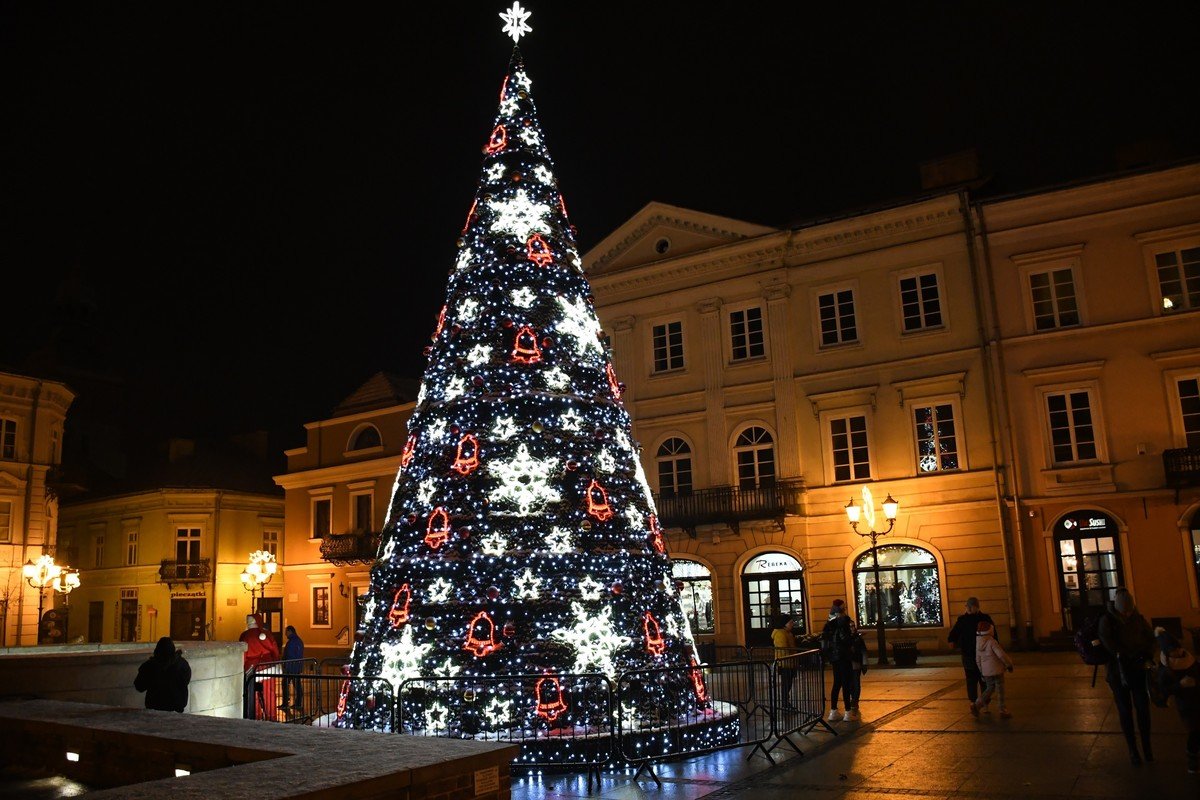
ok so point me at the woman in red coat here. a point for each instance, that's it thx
(260, 649)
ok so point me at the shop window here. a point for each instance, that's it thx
(910, 586)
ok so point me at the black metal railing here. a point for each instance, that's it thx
(185, 571)
(729, 505)
(1182, 466)
(296, 693)
(354, 547)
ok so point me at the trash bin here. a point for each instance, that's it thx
(904, 654)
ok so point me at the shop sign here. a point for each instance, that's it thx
(1086, 522)
(772, 562)
(183, 594)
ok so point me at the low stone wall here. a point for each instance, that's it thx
(104, 673)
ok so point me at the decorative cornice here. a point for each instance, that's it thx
(648, 224)
(776, 292)
(710, 306)
(623, 324)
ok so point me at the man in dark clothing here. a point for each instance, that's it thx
(164, 678)
(293, 652)
(837, 648)
(1128, 638)
(962, 636)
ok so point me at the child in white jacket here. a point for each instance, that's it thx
(992, 661)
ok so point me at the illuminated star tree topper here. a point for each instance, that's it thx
(515, 24)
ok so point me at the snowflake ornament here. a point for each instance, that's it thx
(594, 639)
(580, 324)
(524, 483)
(519, 216)
(402, 658)
(515, 22)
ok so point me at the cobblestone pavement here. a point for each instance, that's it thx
(917, 739)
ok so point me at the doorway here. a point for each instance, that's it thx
(1089, 564)
(95, 621)
(187, 619)
(772, 584)
(271, 609)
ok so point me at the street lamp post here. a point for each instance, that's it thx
(45, 573)
(259, 571)
(854, 513)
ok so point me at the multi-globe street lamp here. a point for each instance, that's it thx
(43, 574)
(866, 513)
(259, 571)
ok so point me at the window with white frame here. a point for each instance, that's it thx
(851, 455)
(322, 517)
(131, 548)
(667, 340)
(835, 311)
(1072, 429)
(8, 439)
(754, 454)
(98, 550)
(674, 467)
(6, 515)
(936, 437)
(1189, 409)
(320, 606)
(187, 545)
(920, 302)
(746, 334)
(1179, 279)
(271, 543)
(362, 507)
(1054, 300)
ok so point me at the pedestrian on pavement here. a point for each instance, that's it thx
(1179, 677)
(837, 643)
(1129, 640)
(962, 636)
(993, 662)
(785, 657)
(164, 677)
(293, 653)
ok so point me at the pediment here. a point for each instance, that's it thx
(640, 240)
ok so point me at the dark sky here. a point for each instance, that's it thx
(260, 201)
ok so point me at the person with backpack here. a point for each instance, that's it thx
(1129, 641)
(962, 636)
(164, 677)
(993, 662)
(837, 642)
(785, 651)
(1179, 677)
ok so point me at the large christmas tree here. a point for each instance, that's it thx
(521, 538)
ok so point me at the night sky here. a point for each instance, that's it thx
(241, 211)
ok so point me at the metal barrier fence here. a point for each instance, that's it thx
(798, 709)
(296, 693)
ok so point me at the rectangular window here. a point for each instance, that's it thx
(675, 476)
(1179, 279)
(320, 607)
(1189, 408)
(1072, 434)
(937, 443)
(668, 346)
(746, 333)
(920, 302)
(363, 512)
(271, 543)
(1053, 297)
(98, 550)
(187, 545)
(131, 548)
(838, 324)
(851, 458)
(127, 616)
(6, 520)
(321, 516)
(8, 439)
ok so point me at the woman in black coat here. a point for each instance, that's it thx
(164, 678)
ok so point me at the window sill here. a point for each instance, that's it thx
(1070, 478)
(920, 333)
(839, 347)
(668, 373)
(366, 451)
(741, 362)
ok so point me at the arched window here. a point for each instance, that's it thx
(674, 467)
(772, 584)
(754, 452)
(908, 577)
(1089, 562)
(694, 582)
(366, 438)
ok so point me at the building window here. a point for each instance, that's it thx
(131, 548)
(1189, 409)
(362, 505)
(1179, 279)
(694, 583)
(836, 313)
(6, 507)
(746, 333)
(674, 467)
(937, 444)
(322, 514)
(851, 454)
(8, 439)
(668, 346)
(127, 613)
(920, 302)
(1054, 300)
(271, 543)
(754, 453)
(908, 580)
(98, 550)
(366, 438)
(321, 615)
(1072, 434)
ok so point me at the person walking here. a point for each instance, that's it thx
(1129, 640)
(992, 662)
(1179, 677)
(164, 677)
(785, 657)
(293, 653)
(837, 642)
(962, 636)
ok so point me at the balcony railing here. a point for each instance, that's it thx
(729, 505)
(172, 572)
(1182, 466)
(355, 547)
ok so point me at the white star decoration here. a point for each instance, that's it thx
(522, 297)
(593, 638)
(530, 136)
(369, 609)
(436, 716)
(521, 80)
(605, 461)
(505, 428)
(425, 492)
(559, 541)
(508, 106)
(439, 591)
(446, 670)
(388, 549)
(524, 483)
(542, 174)
(402, 658)
(528, 586)
(479, 355)
(519, 216)
(589, 589)
(467, 310)
(636, 520)
(497, 713)
(464, 258)
(495, 172)
(437, 430)
(515, 24)
(494, 544)
(456, 388)
(579, 322)
(571, 421)
(557, 379)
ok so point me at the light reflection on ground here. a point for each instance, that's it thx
(41, 788)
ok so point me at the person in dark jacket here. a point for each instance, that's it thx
(1129, 640)
(164, 678)
(837, 647)
(293, 652)
(962, 636)
(1179, 677)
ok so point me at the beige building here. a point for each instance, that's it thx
(32, 416)
(337, 489)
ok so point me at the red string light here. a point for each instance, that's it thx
(467, 458)
(539, 250)
(497, 141)
(436, 537)
(654, 640)
(525, 347)
(477, 644)
(400, 606)
(549, 706)
(597, 502)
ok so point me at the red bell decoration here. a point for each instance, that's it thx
(400, 605)
(655, 645)
(407, 454)
(438, 529)
(697, 678)
(612, 381)
(503, 87)
(481, 636)
(441, 323)
(539, 250)
(342, 695)
(470, 214)
(656, 536)
(497, 141)
(549, 695)
(467, 459)
(525, 347)
(597, 502)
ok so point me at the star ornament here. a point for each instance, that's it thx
(515, 24)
